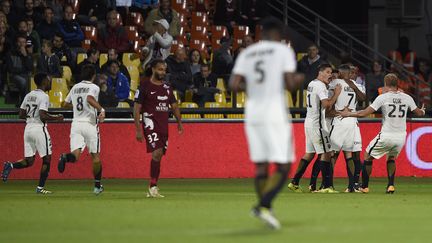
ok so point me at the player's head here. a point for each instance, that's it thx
(344, 71)
(391, 80)
(272, 29)
(42, 81)
(88, 73)
(325, 72)
(158, 67)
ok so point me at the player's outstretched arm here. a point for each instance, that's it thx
(22, 114)
(363, 113)
(360, 95)
(177, 114)
(137, 119)
(93, 102)
(237, 83)
(45, 116)
(420, 111)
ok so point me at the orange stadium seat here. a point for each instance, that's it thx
(200, 18)
(184, 23)
(180, 6)
(90, 32)
(176, 45)
(75, 5)
(183, 39)
(240, 31)
(136, 19)
(200, 46)
(86, 44)
(201, 5)
(236, 44)
(132, 32)
(200, 33)
(217, 32)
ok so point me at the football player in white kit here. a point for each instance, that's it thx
(36, 137)
(394, 106)
(316, 130)
(264, 69)
(85, 130)
(343, 130)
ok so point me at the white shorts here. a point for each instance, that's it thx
(342, 137)
(85, 134)
(386, 144)
(270, 142)
(317, 140)
(37, 138)
(357, 139)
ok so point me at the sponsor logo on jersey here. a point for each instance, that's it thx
(162, 97)
(162, 107)
(152, 92)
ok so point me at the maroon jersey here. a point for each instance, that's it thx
(155, 101)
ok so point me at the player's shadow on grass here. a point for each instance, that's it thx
(259, 229)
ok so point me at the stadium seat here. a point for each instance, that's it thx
(176, 95)
(90, 32)
(131, 95)
(217, 32)
(300, 55)
(131, 59)
(86, 44)
(67, 74)
(184, 24)
(201, 5)
(176, 45)
(59, 84)
(214, 105)
(220, 98)
(181, 7)
(190, 105)
(103, 58)
(200, 19)
(123, 105)
(200, 46)
(81, 57)
(199, 32)
(241, 99)
(240, 31)
(32, 84)
(135, 78)
(221, 85)
(258, 30)
(132, 33)
(183, 39)
(289, 99)
(189, 95)
(136, 19)
(237, 43)
(56, 99)
(75, 5)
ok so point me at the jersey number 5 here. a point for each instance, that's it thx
(260, 71)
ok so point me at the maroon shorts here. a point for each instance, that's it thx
(156, 141)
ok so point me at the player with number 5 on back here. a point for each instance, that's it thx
(394, 106)
(36, 137)
(85, 130)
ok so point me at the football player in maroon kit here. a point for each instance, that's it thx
(153, 100)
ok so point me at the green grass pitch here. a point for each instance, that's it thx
(211, 210)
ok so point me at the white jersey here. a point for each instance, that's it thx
(33, 102)
(346, 98)
(315, 116)
(263, 66)
(394, 106)
(82, 110)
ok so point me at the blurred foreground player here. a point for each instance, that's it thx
(264, 70)
(36, 137)
(85, 129)
(394, 105)
(153, 100)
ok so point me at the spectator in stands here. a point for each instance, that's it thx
(113, 56)
(201, 6)
(57, 7)
(238, 51)
(179, 73)
(63, 52)
(117, 81)
(251, 12)
(247, 41)
(308, 65)
(113, 36)
(92, 11)
(5, 47)
(222, 59)
(204, 86)
(423, 86)
(159, 44)
(123, 7)
(107, 97)
(12, 17)
(195, 60)
(92, 59)
(20, 65)
(404, 55)
(70, 29)
(48, 62)
(34, 35)
(23, 30)
(31, 12)
(164, 12)
(374, 80)
(47, 27)
(226, 13)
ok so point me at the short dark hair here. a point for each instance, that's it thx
(48, 8)
(87, 72)
(323, 67)
(91, 51)
(110, 62)
(344, 67)
(59, 34)
(39, 78)
(205, 65)
(272, 24)
(19, 35)
(155, 62)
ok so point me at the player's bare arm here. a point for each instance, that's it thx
(420, 111)
(137, 119)
(22, 114)
(293, 81)
(45, 116)
(92, 101)
(360, 95)
(328, 103)
(177, 115)
(363, 113)
(237, 83)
